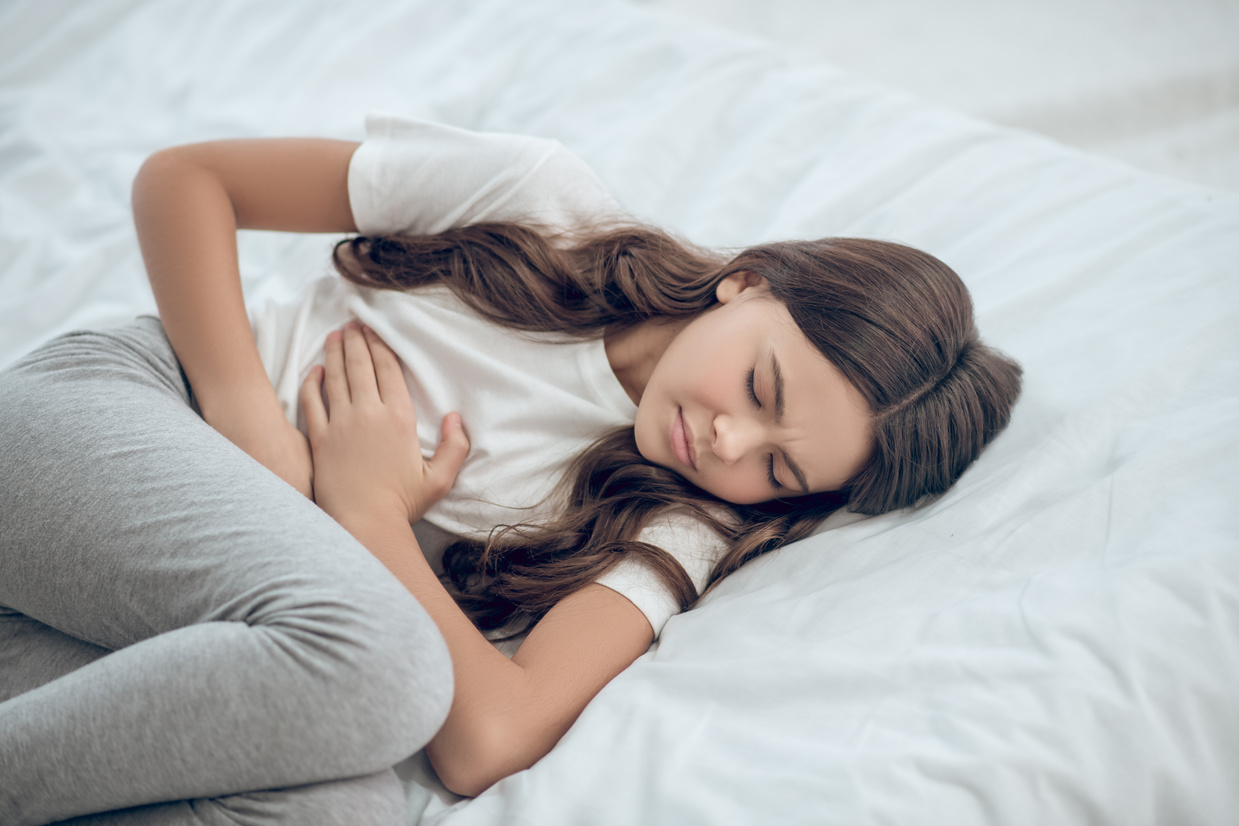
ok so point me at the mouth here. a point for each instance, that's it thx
(682, 441)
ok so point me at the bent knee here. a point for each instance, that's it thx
(393, 677)
(418, 671)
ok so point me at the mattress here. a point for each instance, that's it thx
(1055, 640)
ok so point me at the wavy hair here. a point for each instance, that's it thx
(897, 322)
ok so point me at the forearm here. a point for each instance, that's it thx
(478, 744)
(188, 203)
(187, 229)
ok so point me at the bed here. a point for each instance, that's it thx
(1056, 640)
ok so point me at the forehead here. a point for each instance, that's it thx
(826, 427)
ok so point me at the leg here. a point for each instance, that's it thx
(32, 654)
(256, 644)
(374, 800)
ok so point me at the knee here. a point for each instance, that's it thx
(418, 682)
(398, 683)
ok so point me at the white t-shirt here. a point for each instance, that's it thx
(530, 402)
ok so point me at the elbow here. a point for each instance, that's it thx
(157, 173)
(466, 781)
(154, 168)
(470, 762)
(167, 167)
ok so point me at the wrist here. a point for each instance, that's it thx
(388, 536)
(376, 517)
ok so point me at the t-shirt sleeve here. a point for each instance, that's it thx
(420, 177)
(694, 545)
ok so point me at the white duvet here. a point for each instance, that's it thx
(1054, 641)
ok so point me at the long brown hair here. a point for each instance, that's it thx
(897, 322)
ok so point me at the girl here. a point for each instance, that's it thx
(615, 421)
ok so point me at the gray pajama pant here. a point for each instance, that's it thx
(183, 637)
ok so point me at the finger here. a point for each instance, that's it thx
(336, 380)
(450, 456)
(312, 402)
(387, 372)
(360, 367)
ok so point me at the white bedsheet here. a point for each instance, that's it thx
(1054, 641)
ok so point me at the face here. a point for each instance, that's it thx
(744, 407)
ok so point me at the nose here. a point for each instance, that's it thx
(733, 437)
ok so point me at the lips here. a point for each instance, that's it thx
(682, 441)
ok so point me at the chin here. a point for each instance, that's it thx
(645, 444)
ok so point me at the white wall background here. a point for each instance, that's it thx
(1154, 83)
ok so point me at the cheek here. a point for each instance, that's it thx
(740, 486)
(711, 386)
(652, 419)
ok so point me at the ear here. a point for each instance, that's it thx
(739, 283)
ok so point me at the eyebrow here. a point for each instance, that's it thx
(779, 406)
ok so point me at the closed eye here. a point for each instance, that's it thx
(748, 380)
(774, 483)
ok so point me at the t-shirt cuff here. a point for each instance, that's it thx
(687, 538)
(633, 579)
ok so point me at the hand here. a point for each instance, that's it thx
(276, 444)
(367, 459)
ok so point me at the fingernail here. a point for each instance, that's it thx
(367, 330)
(334, 335)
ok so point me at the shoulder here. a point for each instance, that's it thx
(418, 176)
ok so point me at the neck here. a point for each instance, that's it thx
(633, 353)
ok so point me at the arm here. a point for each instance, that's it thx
(506, 714)
(188, 203)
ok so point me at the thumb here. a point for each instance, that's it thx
(450, 456)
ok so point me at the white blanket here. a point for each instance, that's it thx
(1056, 640)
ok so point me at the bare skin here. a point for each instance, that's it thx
(741, 404)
